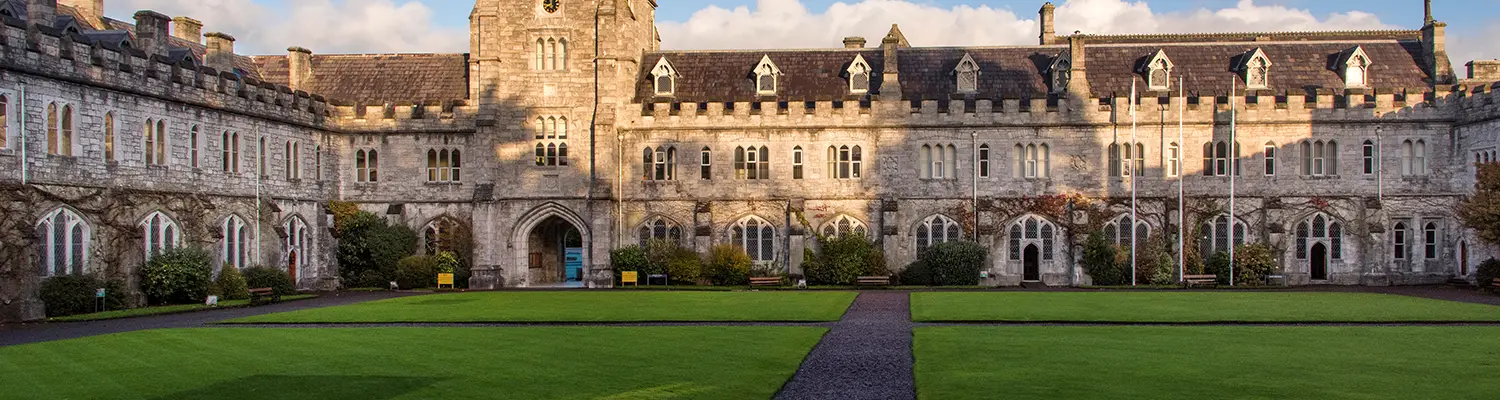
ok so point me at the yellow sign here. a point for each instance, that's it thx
(628, 277)
(445, 279)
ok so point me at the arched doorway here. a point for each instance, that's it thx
(291, 265)
(1463, 259)
(1319, 262)
(1032, 263)
(555, 253)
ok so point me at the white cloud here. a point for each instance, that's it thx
(787, 23)
(324, 26)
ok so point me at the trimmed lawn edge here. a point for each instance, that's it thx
(169, 310)
(544, 324)
(1204, 323)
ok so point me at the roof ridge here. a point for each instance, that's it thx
(1247, 33)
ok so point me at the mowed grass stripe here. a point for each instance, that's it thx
(1191, 363)
(412, 363)
(581, 306)
(1190, 307)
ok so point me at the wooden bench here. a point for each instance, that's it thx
(1200, 280)
(263, 296)
(874, 281)
(1495, 286)
(765, 281)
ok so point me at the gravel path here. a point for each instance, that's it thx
(11, 335)
(867, 355)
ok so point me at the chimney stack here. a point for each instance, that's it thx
(300, 76)
(854, 42)
(220, 53)
(1435, 51)
(1078, 81)
(41, 12)
(91, 10)
(1047, 20)
(151, 32)
(890, 87)
(187, 29)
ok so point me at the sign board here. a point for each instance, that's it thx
(99, 293)
(630, 277)
(445, 279)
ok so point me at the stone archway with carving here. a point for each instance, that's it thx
(517, 270)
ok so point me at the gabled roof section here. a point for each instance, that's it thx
(1252, 55)
(664, 67)
(1350, 57)
(1063, 61)
(721, 76)
(379, 78)
(858, 65)
(895, 33)
(1159, 56)
(765, 66)
(966, 64)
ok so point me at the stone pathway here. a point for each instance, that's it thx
(867, 354)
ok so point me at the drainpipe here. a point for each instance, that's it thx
(787, 240)
(593, 130)
(974, 194)
(25, 159)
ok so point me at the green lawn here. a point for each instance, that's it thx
(595, 306)
(175, 309)
(1192, 307)
(412, 363)
(1191, 363)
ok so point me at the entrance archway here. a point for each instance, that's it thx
(1319, 262)
(555, 252)
(1463, 259)
(291, 265)
(1032, 263)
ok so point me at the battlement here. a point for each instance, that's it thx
(446, 117)
(74, 58)
(1479, 102)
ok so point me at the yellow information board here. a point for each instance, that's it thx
(445, 279)
(629, 277)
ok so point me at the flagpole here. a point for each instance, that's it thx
(1132, 172)
(1235, 170)
(1181, 177)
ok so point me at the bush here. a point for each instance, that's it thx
(177, 276)
(264, 277)
(632, 258)
(842, 260)
(1253, 263)
(728, 266)
(1218, 265)
(230, 285)
(447, 263)
(947, 264)
(417, 272)
(1157, 264)
(368, 243)
(76, 294)
(1101, 262)
(1488, 271)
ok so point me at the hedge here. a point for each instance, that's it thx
(77, 294)
(277, 280)
(177, 276)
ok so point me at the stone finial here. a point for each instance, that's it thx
(220, 51)
(92, 10)
(1427, 13)
(300, 72)
(1047, 19)
(854, 42)
(187, 29)
(152, 32)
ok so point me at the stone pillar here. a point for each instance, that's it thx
(151, 32)
(299, 61)
(1046, 19)
(1435, 50)
(41, 12)
(187, 29)
(220, 53)
(1078, 83)
(890, 87)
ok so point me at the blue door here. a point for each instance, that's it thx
(573, 263)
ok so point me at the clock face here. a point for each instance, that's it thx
(551, 5)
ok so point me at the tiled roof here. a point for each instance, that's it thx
(1019, 72)
(807, 75)
(380, 78)
(245, 66)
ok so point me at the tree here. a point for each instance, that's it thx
(369, 249)
(1481, 211)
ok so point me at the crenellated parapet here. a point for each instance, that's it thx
(408, 117)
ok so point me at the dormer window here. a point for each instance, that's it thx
(1256, 68)
(664, 78)
(1356, 67)
(1061, 71)
(967, 73)
(1158, 71)
(766, 75)
(859, 75)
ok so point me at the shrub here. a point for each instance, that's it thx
(1218, 265)
(230, 285)
(1253, 263)
(368, 243)
(1157, 264)
(842, 260)
(682, 265)
(1488, 271)
(77, 294)
(728, 266)
(264, 277)
(632, 258)
(948, 264)
(1101, 261)
(417, 272)
(177, 276)
(447, 263)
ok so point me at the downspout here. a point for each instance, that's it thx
(787, 242)
(974, 194)
(25, 159)
(593, 154)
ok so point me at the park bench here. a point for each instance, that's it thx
(874, 281)
(263, 295)
(1200, 280)
(1495, 286)
(765, 281)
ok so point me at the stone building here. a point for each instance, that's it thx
(566, 131)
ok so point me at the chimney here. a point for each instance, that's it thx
(300, 76)
(151, 33)
(1047, 21)
(91, 10)
(854, 42)
(890, 87)
(187, 29)
(1078, 83)
(1434, 49)
(1427, 13)
(220, 53)
(1484, 70)
(41, 12)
